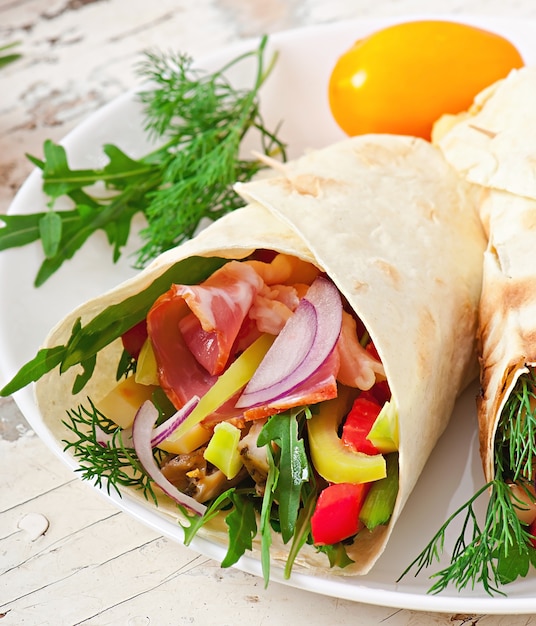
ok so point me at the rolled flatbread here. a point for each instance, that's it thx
(395, 229)
(493, 145)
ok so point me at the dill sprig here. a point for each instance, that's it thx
(516, 438)
(485, 554)
(200, 121)
(104, 454)
(498, 550)
(205, 119)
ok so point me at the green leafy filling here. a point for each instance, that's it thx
(498, 550)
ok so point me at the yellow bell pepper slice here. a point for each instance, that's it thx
(384, 432)
(222, 450)
(230, 382)
(333, 460)
(146, 368)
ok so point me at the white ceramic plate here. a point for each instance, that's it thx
(295, 94)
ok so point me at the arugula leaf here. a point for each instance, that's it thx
(266, 512)
(9, 58)
(20, 230)
(292, 463)
(288, 473)
(44, 361)
(86, 341)
(302, 531)
(195, 522)
(513, 563)
(242, 524)
(50, 227)
(337, 555)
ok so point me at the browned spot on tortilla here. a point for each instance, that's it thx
(377, 155)
(306, 184)
(484, 131)
(518, 293)
(360, 286)
(529, 220)
(388, 269)
(529, 340)
(427, 327)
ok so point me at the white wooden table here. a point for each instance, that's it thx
(95, 565)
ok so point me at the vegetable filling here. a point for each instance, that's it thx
(257, 393)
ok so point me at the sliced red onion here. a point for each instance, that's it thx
(142, 430)
(303, 345)
(171, 424)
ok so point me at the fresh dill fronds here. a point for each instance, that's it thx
(516, 438)
(104, 453)
(204, 119)
(499, 549)
(482, 553)
(198, 121)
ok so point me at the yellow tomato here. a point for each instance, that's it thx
(403, 78)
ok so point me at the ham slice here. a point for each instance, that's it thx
(180, 374)
(218, 308)
(358, 367)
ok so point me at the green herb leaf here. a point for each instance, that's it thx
(19, 230)
(242, 524)
(110, 464)
(85, 342)
(497, 550)
(302, 531)
(58, 178)
(44, 361)
(201, 120)
(50, 227)
(266, 513)
(9, 58)
(337, 555)
(291, 459)
(88, 367)
(195, 522)
(513, 563)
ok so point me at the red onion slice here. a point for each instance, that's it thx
(305, 342)
(171, 424)
(142, 431)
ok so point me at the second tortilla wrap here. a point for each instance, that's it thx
(493, 145)
(388, 220)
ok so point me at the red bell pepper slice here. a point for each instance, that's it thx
(358, 423)
(180, 374)
(336, 515)
(134, 338)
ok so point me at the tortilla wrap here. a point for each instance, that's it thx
(389, 221)
(494, 145)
